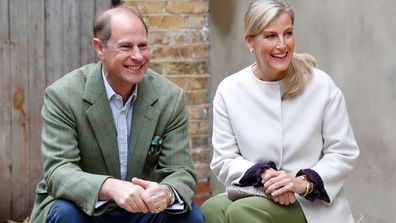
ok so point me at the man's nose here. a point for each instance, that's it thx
(136, 54)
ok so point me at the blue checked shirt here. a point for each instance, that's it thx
(122, 115)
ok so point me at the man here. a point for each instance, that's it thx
(114, 140)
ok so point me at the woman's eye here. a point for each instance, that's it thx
(288, 34)
(270, 36)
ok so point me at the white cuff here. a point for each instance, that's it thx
(178, 205)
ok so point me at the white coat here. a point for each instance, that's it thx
(311, 131)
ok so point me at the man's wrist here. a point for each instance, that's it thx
(171, 195)
(105, 190)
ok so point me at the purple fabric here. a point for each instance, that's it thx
(318, 191)
(252, 176)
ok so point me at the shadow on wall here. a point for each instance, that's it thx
(222, 21)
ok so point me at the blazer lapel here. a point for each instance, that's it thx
(144, 120)
(101, 120)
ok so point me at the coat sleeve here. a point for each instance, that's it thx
(340, 150)
(227, 162)
(62, 173)
(175, 165)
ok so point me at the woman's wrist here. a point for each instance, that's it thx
(252, 176)
(318, 190)
(307, 187)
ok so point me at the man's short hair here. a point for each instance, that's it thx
(102, 23)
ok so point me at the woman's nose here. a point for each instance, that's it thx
(281, 43)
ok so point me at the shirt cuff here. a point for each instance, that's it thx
(100, 203)
(252, 176)
(318, 191)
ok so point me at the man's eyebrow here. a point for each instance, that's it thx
(124, 42)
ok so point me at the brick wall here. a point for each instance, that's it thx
(178, 37)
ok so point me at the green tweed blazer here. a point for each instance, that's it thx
(79, 146)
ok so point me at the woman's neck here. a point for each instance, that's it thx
(266, 76)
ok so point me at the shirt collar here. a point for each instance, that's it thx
(110, 92)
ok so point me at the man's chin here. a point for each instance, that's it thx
(135, 78)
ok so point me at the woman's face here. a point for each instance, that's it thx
(273, 48)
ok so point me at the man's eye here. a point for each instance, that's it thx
(125, 47)
(143, 46)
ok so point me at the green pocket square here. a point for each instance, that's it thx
(156, 145)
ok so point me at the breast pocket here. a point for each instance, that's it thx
(152, 157)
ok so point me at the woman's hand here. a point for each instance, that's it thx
(285, 198)
(282, 186)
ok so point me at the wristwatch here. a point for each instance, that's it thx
(171, 195)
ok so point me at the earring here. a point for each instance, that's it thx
(251, 51)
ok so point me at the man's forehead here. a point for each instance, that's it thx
(124, 36)
(120, 18)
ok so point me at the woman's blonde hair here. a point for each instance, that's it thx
(257, 17)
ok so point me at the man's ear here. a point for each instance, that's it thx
(97, 44)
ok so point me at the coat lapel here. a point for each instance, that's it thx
(144, 120)
(101, 119)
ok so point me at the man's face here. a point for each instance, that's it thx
(126, 55)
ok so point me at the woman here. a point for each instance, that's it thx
(282, 124)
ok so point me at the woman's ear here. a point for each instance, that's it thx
(249, 43)
(97, 44)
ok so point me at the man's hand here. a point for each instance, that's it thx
(129, 196)
(157, 193)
